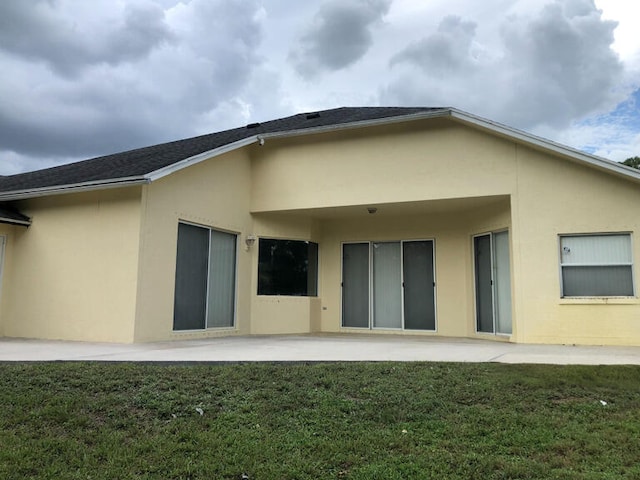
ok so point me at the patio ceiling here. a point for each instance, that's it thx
(396, 209)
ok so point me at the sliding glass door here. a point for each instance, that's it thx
(492, 283)
(389, 285)
(205, 278)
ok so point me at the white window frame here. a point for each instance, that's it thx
(611, 264)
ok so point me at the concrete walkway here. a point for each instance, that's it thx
(318, 348)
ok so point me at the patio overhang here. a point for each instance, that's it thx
(386, 210)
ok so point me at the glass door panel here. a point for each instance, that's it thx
(222, 280)
(502, 277)
(355, 285)
(387, 282)
(419, 285)
(484, 287)
(190, 301)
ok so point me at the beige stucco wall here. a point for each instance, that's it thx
(407, 162)
(560, 197)
(213, 193)
(72, 273)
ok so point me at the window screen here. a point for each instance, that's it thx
(287, 267)
(596, 265)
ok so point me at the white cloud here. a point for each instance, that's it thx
(626, 14)
(555, 67)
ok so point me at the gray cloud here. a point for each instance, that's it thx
(173, 90)
(43, 31)
(339, 36)
(446, 51)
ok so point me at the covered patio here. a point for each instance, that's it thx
(435, 267)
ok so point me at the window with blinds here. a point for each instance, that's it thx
(598, 265)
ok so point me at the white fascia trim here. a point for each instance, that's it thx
(187, 162)
(441, 112)
(13, 221)
(593, 160)
(72, 188)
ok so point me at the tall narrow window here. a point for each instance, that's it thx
(287, 267)
(205, 278)
(596, 265)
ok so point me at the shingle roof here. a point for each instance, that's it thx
(142, 161)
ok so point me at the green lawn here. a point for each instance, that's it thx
(313, 421)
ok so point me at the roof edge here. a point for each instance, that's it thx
(200, 157)
(72, 188)
(436, 113)
(549, 145)
(260, 138)
(13, 221)
(450, 112)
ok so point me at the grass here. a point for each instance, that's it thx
(315, 421)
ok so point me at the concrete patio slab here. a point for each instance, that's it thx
(318, 348)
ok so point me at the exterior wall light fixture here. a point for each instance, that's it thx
(250, 241)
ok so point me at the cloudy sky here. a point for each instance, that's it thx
(86, 78)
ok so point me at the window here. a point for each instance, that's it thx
(596, 265)
(287, 267)
(205, 278)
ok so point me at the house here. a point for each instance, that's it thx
(413, 221)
